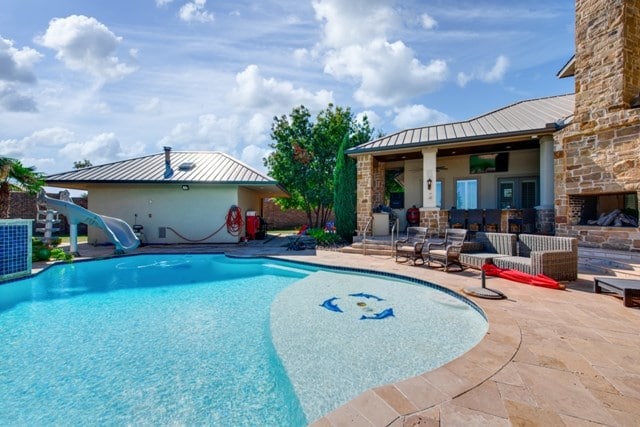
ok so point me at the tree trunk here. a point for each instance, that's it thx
(5, 196)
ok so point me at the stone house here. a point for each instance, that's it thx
(573, 158)
(597, 155)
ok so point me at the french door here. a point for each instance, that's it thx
(518, 193)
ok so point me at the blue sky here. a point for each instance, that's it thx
(111, 80)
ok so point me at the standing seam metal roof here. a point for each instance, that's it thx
(519, 118)
(210, 167)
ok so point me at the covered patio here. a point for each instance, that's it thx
(485, 174)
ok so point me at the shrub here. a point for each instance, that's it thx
(323, 238)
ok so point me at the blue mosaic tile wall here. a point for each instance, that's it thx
(15, 248)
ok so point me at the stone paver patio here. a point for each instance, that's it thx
(550, 357)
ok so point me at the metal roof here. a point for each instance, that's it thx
(535, 116)
(202, 167)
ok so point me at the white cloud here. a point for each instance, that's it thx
(375, 121)
(357, 49)
(428, 23)
(44, 143)
(209, 132)
(16, 68)
(253, 154)
(495, 74)
(153, 106)
(417, 115)
(84, 44)
(354, 22)
(12, 100)
(103, 148)
(300, 55)
(254, 91)
(388, 72)
(195, 11)
(235, 135)
(16, 64)
(161, 3)
(498, 71)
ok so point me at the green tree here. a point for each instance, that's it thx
(304, 158)
(86, 163)
(16, 177)
(345, 180)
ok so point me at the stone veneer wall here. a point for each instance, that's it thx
(436, 220)
(599, 152)
(370, 191)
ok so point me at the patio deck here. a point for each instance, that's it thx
(550, 358)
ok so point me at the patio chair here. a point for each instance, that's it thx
(447, 253)
(475, 220)
(526, 223)
(492, 220)
(410, 248)
(457, 218)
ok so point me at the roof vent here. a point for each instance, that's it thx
(187, 166)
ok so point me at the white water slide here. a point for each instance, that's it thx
(117, 230)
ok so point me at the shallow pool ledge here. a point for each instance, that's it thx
(421, 396)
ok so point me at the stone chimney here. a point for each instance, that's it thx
(167, 163)
(607, 62)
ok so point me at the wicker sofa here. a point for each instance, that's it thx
(487, 246)
(556, 257)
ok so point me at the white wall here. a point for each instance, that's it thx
(412, 183)
(522, 163)
(194, 214)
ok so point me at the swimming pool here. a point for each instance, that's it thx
(206, 339)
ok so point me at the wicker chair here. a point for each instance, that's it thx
(447, 253)
(526, 223)
(492, 220)
(487, 246)
(556, 257)
(475, 220)
(410, 248)
(457, 218)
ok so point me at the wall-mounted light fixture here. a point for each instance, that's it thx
(185, 187)
(429, 182)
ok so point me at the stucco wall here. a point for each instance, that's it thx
(412, 183)
(193, 214)
(522, 163)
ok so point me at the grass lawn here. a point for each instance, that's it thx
(65, 239)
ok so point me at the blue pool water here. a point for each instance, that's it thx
(172, 339)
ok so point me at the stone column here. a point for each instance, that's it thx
(429, 173)
(364, 204)
(546, 172)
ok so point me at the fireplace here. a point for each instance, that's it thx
(604, 210)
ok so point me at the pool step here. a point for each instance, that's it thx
(373, 247)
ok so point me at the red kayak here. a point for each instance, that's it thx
(518, 276)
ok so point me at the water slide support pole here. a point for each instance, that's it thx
(73, 239)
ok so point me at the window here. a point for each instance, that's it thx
(467, 194)
(439, 194)
(518, 193)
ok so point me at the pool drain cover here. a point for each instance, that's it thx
(487, 293)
